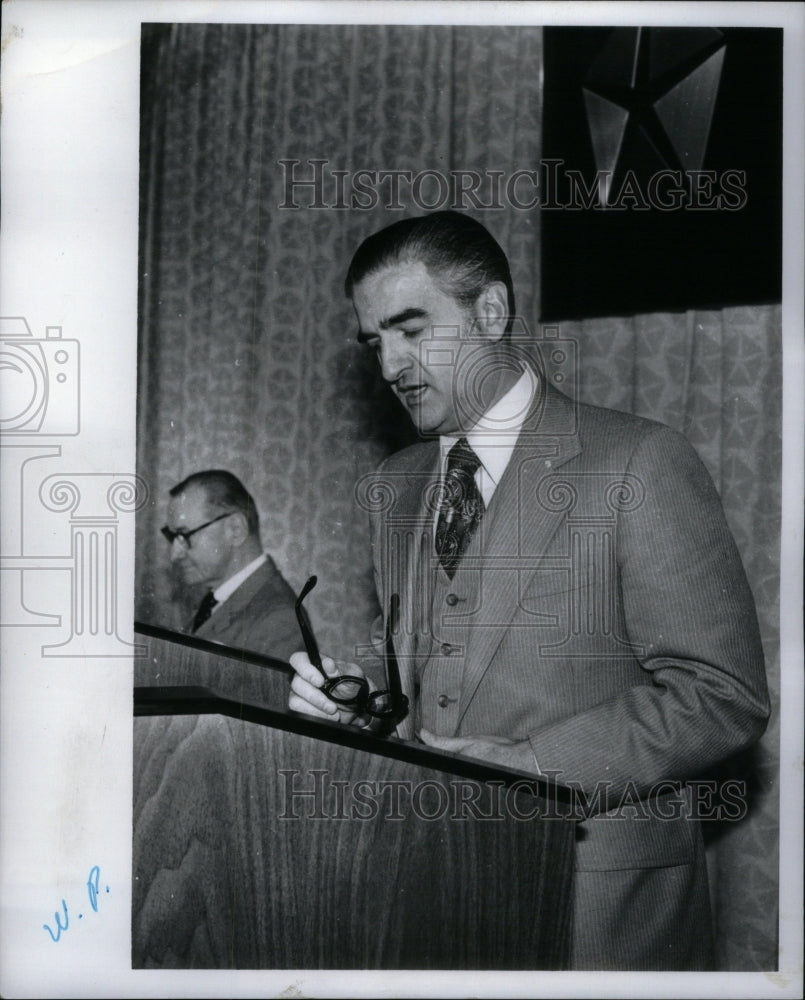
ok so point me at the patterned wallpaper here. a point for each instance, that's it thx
(247, 347)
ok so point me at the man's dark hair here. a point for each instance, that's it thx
(223, 491)
(460, 254)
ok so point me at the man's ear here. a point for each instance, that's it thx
(238, 528)
(492, 311)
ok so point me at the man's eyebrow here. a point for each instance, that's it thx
(403, 317)
(396, 320)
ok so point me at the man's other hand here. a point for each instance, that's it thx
(492, 749)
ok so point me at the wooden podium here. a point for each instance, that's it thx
(265, 839)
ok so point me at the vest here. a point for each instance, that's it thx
(442, 640)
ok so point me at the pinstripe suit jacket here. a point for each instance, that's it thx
(258, 616)
(602, 613)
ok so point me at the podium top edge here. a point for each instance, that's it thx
(210, 646)
(194, 700)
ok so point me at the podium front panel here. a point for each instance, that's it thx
(275, 844)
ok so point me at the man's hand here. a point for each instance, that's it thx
(306, 694)
(492, 749)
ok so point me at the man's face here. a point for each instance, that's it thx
(210, 551)
(421, 336)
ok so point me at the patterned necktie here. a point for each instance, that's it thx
(208, 602)
(462, 506)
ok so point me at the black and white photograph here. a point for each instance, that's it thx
(418, 514)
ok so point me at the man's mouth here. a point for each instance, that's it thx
(412, 392)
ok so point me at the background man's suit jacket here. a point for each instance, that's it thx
(258, 616)
(602, 613)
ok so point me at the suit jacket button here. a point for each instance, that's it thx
(452, 600)
(447, 649)
(442, 701)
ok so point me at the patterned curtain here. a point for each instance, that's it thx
(247, 354)
(247, 344)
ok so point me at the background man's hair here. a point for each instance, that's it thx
(460, 254)
(223, 491)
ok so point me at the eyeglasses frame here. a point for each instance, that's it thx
(185, 536)
(363, 703)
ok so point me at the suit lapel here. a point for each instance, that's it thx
(222, 619)
(518, 528)
(516, 532)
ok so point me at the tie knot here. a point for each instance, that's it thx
(462, 457)
(208, 602)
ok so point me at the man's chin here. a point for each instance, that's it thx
(427, 423)
(433, 427)
(425, 428)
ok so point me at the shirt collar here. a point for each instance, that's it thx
(494, 436)
(228, 587)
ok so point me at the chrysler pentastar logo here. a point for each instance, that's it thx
(655, 88)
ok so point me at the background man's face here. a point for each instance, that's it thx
(208, 558)
(420, 336)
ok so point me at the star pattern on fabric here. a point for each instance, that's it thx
(653, 88)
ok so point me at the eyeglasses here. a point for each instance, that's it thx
(353, 692)
(185, 536)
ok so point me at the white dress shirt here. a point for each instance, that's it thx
(494, 436)
(228, 587)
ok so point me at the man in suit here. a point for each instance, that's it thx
(214, 532)
(572, 603)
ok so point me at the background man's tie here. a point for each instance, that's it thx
(208, 602)
(462, 506)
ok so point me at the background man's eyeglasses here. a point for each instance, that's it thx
(184, 536)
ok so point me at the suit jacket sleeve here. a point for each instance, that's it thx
(687, 603)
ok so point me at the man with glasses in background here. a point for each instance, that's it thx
(214, 532)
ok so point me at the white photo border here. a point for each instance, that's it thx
(69, 259)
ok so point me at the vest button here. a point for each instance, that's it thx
(451, 599)
(442, 701)
(447, 649)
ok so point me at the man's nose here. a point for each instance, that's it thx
(177, 550)
(395, 358)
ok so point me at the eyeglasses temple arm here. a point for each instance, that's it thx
(392, 666)
(311, 646)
